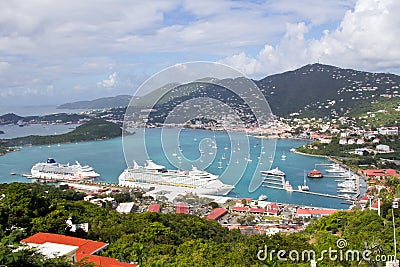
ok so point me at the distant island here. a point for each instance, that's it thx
(96, 129)
(101, 103)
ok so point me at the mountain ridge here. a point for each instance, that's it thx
(312, 90)
(99, 103)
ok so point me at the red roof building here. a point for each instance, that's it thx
(381, 173)
(85, 248)
(272, 209)
(364, 199)
(240, 202)
(257, 210)
(154, 208)
(216, 214)
(181, 208)
(239, 209)
(313, 212)
(106, 262)
(375, 205)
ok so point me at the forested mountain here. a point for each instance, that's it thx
(312, 90)
(323, 90)
(100, 103)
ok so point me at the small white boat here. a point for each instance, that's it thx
(274, 172)
(262, 197)
(305, 186)
(288, 187)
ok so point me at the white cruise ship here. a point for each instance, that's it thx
(197, 181)
(56, 171)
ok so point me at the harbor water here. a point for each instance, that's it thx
(107, 158)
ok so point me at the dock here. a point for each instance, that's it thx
(310, 193)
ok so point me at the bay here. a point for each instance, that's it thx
(12, 131)
(107, 158)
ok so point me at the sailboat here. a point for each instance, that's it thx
(220, 164)
(304, 187)
(223, 156)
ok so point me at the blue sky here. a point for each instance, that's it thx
(69, 50)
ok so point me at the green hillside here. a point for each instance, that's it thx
(156, 239)
(313, 90)
(101, 103)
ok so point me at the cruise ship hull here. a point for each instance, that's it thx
(51, 170)
(182, 189)
(158, 178)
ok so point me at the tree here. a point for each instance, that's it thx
(213, 205)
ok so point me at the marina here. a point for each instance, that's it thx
(350, 185)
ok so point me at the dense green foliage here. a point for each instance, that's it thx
(386, 113)
(154, 239)
(93, 130)
(309, 90)
(334, 149)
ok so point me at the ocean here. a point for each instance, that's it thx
(230, 156)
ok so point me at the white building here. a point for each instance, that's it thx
(383, 149)
(394, 130)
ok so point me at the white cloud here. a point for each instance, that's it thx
(110, 82)
(69, 44)
(367, 38)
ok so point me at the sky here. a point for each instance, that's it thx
(53, 52)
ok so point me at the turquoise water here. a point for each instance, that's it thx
(107, 158)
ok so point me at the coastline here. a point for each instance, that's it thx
(312, 155)
(219, 199)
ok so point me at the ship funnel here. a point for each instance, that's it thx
(135, 165)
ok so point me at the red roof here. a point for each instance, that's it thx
(182, 208)
(86, 247)
(106, 262)
(216, 213)
(274, 211)
(381, 172)
(236, 208)
(257, 210)
(374, 205)
(273, 206)
(314, 212)
(154, 208)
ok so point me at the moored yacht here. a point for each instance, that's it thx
(274, 172)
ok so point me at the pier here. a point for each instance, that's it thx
(311, 193)
(275, 182)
